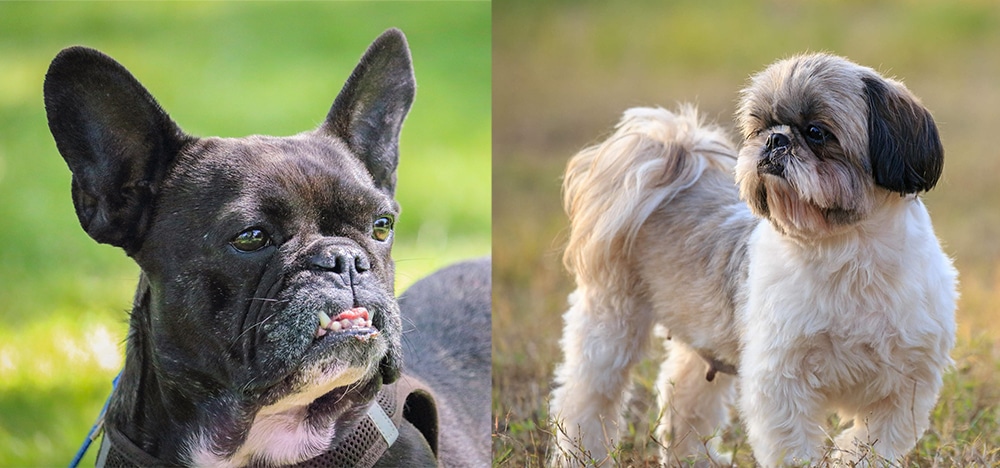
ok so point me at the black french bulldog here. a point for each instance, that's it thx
(265, 322)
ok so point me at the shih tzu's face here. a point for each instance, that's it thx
(828, 141)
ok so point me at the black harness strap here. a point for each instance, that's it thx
(362, 448)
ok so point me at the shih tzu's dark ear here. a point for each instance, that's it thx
(903, 143)
(116, 140)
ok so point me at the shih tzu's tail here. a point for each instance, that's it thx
(611, 188)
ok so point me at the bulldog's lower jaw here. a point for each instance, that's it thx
(299, 425)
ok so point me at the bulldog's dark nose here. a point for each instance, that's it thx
(777, 141)
(340, 260)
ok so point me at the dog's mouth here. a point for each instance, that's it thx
(354, 322)
(773, 164)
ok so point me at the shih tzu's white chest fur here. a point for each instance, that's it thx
(846, 324)
(862, 299)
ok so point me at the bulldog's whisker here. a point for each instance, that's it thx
(268, 299)
(247, 330)
(413, 326)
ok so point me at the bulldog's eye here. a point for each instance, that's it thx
(815, 134)
(251, 240)
(382, 228)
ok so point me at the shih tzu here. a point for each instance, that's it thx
(812, 284)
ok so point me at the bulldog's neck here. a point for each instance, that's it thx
(159, 416)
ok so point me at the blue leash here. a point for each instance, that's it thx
(98, 426)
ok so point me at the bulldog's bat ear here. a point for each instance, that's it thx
(115, 138)
(369, 111)
(903, 143)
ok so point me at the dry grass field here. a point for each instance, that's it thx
(564, 71)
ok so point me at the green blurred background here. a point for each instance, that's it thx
(227, 69)
(563, 72)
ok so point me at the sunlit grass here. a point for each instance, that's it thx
(50, 372)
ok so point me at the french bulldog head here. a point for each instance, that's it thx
(267, 281)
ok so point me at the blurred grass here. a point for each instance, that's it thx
(563, 73)
(228, 69)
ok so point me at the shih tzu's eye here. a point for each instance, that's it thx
(382, 228)
(815, 134)
(251, 240)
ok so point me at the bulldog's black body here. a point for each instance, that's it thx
(449, 348)
(245, 245)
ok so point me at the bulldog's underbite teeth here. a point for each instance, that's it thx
(351, 319)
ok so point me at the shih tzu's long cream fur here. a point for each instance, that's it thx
(812, 283)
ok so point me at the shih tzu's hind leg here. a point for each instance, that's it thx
(693, 410)
(604, 337)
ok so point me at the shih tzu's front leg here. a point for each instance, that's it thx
(781, 408)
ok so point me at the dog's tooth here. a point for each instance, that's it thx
(335, 326)
(345, 324)
(324, 319)
(358, 322)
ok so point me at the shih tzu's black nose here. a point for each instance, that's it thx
(774, 154)
(777, 141)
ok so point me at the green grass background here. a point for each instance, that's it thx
(564, 71)
(227, 69)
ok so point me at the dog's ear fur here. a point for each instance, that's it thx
(903, 143)
(369, 111)
(115, 138)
